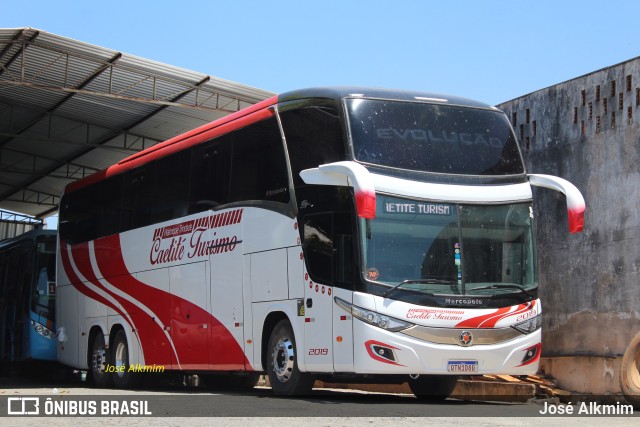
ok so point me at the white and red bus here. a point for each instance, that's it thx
(346, 233)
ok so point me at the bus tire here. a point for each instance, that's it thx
(122, 377)
(433, 387)
(282, 364)
(98, 361)
(630, 372)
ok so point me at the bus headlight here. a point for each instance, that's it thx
(42, 330)
(529, 325)
(371, 317)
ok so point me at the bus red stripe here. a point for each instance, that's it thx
(81, 287)
(476, 322)
(112, 264)
(147, 329)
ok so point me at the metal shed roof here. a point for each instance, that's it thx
(69, 109)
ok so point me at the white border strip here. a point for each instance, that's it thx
(451, 192)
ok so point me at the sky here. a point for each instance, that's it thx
(492, 51)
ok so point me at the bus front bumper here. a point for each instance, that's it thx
(377, 351)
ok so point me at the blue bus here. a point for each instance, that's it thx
(27, 298)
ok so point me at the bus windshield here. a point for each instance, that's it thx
(433, 137)
(449, 249)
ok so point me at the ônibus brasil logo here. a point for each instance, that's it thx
(174, 242)
(76, 407)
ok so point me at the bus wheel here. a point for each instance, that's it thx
(122, 378)
(630, 372)
(433, 387)
(98, 362)
(282, 365)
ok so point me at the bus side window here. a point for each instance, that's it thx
(89, 213)
(210, 170)
(343, 247)
(169, 195)
(318, 246)
(258, 164)
(108, 210)
(314, 137)
(328, 248)
(136, 183)
(157, 191)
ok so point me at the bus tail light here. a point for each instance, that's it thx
(366, 204)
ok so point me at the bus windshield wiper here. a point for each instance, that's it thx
(502, 286)
(427, 281)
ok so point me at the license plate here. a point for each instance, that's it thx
(462, 366)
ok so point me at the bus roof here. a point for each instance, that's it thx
(340, 92)
(29, 235)
(208, 130)
(172, 145)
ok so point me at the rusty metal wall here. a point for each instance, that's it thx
(587, 130)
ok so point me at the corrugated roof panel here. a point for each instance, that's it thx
(75, 47)
(44, 67)
(166, 71)
(40, 147)
(30, 164)
(110, 113)
(31, 99)
(14, 117)
(21, 207)
(51, 185)
(4, 186)
(119, 82)
(69, 173)
(170, 122)
(195, 115)
(10, 177)
(248, 93)
(79, 71)
(8, 34)
(129, 143)
(101, 159)
(216, 84)
(61, 97)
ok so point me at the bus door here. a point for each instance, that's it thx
(227, 331)
(318, 351)
(328, 249)
(158, 349)
(189, 314)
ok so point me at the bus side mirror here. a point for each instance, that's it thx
(575, 201)
(346, 174)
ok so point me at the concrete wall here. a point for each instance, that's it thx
(587, 130)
